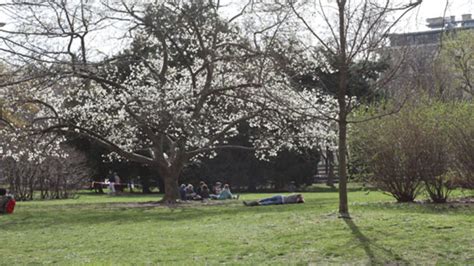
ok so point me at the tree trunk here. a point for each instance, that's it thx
(171, 189)
(342, 119)
(343, 206)
(170, 177)
(330, 166)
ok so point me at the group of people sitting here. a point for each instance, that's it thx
(218, 192)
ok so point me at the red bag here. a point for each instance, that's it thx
(10, 206)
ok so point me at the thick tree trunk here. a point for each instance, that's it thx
(171, 189)
(170, 177)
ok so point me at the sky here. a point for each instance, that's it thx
(415, 21)
(412, 22)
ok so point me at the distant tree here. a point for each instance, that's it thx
(457, 56)
(39, 165)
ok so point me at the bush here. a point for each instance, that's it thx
(415, 148)
(52, 178)
(392, 158)
(462, 141)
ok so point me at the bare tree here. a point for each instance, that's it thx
(50, 178)
(354, 31)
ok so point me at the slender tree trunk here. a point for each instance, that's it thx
(330, 166)
(343, 206)
(342, 122)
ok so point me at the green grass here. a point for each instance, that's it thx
(100, 229)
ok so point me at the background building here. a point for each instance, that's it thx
(421, 68)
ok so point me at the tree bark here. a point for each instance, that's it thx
(343, 206)
(170, 177)
(171, 189)
(342, 119)
(330, 166)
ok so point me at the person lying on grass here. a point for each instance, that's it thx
(278, 199)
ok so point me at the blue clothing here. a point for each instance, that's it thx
(278, 199)
(225, 194)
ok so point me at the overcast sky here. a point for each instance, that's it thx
(415, 21)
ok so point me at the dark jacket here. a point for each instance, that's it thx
(182, 193)
(204, 193)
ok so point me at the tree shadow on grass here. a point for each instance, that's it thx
(368, 246)
(327, 189)
(420, 208)
(120, 195)
(97, 213)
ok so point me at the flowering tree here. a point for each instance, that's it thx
(181, 96)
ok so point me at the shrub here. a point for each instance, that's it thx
(413, 149)
(462, 145)
(53, 178)
(436, 158)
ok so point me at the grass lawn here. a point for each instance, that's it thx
(100, 229)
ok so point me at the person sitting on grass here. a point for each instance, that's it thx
(190, 194)
(278, 199)
(7, 202)
(199, 188)
(217, 189)
(204, 192)
(226, 194)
